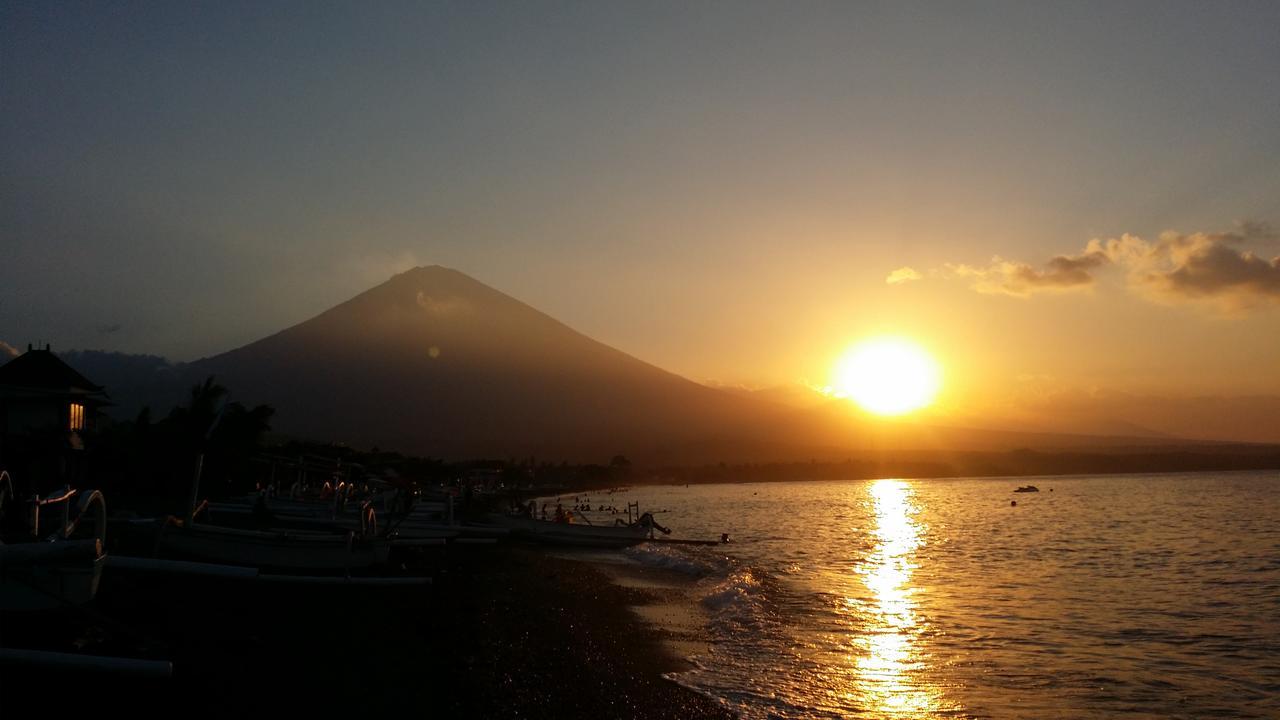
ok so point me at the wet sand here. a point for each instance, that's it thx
(665, 602)
(555, 638)
(505, 632)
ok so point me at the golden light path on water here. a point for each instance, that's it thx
(887, 672)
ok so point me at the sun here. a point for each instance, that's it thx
(887, 376)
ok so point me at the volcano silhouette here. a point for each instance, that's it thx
(435, 362)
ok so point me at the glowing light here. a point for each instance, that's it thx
(888, 670)
(888, 376)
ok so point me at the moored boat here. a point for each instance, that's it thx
(58, 568)
(418, 524)
(283, 549)
(564, 533)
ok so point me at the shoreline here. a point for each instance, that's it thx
(505, 632)
(564, 640)
(663, 599)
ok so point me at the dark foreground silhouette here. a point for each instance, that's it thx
(502, 633)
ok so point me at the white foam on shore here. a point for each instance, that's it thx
(703, 595)
(676, 559)
(673, 581)
(738, 601)
(683, 680)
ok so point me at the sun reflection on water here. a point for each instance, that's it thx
(887, 671)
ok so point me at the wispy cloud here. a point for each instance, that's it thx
(8, 351)
(375, 268)
(902, 275)
(1007, 277)
(1216, 268)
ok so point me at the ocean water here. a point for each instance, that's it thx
(1132, 595)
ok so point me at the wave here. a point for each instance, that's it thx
(740, 601)
(677, 559)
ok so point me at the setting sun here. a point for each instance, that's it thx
(888, 376)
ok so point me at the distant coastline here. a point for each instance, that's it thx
(1017, 463)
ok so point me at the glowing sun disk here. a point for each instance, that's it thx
(888, 376)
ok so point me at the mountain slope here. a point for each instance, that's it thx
(435, 362)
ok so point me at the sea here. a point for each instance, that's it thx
(1135, 596)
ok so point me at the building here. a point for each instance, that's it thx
(45, 408)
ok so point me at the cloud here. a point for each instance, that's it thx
(1238, 279)
(372, 269)
(7, 350)
(1199, 267)
(1175, 267)
(902, 275)
(1005, 277)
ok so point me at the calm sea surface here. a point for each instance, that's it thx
(1135, 595)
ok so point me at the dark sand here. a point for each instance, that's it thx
(504, 632)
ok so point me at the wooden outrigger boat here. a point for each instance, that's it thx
(58, 568)
(281, 549)
(335, 551)
(554, 533)
(586, 534)
(424, 521)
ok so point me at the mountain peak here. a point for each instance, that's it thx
(427, 271)
(436, 362)
(435, 281)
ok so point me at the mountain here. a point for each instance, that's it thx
(433, 362)
(1254, 419)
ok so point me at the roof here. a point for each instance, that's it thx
(41, 369)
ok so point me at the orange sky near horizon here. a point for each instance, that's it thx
(722, 192)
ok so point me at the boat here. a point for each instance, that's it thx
(425, 521)
(325, 548)
(44, 570)
(1027, 489)
(280, 549)
(618, 535)
(555, 533)
(330, 549)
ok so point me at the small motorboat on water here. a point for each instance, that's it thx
(1027, 489)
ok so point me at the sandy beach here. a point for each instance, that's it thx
(507, 632)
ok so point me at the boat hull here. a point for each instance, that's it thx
(46, 584)
(275, 549)
(50, 587)
(553, 533)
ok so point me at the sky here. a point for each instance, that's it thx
(725, 190)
